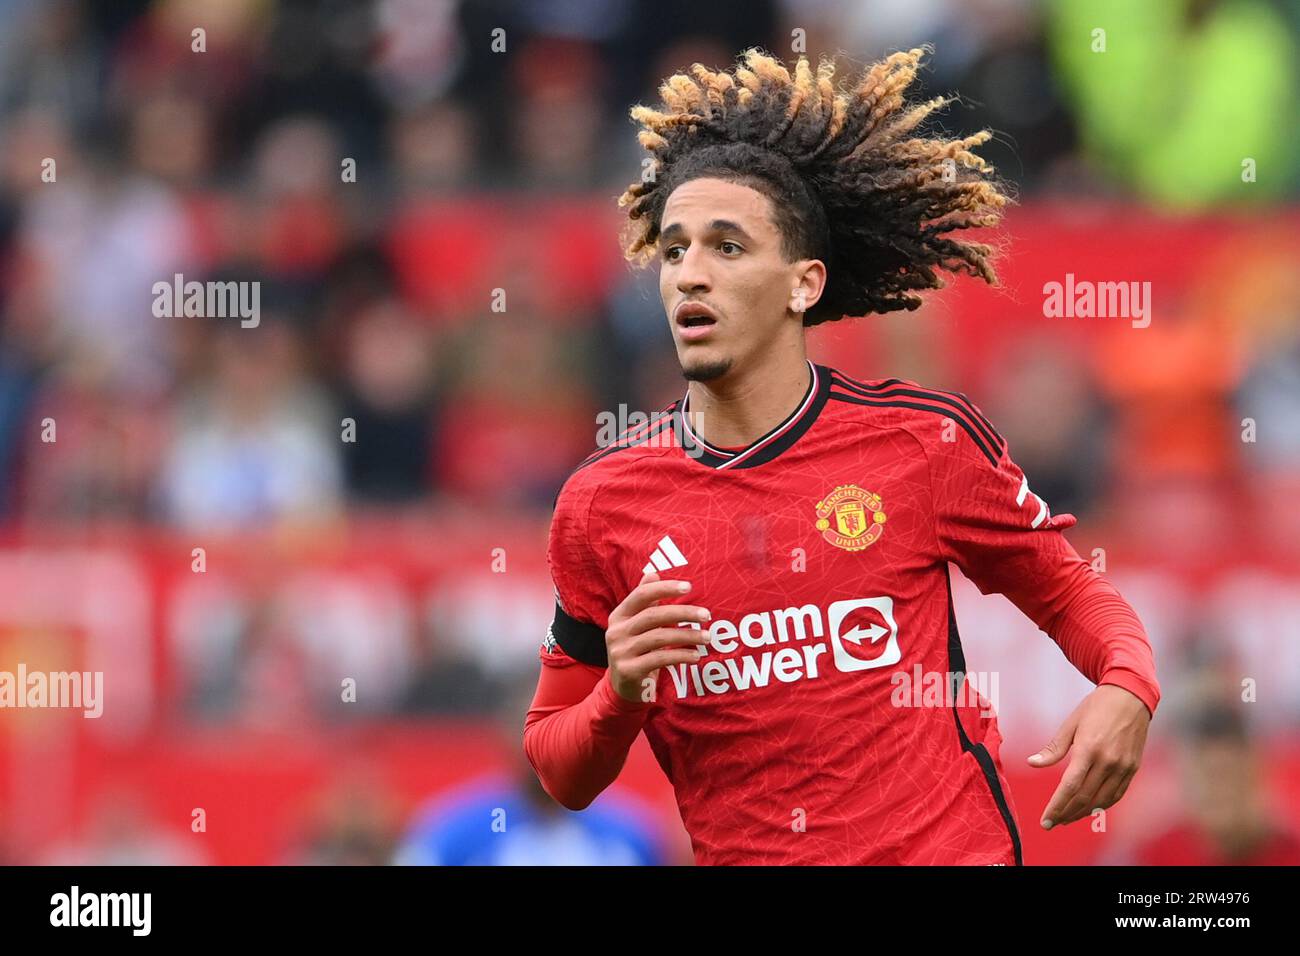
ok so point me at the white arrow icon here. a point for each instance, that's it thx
(874, 633)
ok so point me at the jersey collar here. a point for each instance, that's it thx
(767, 447)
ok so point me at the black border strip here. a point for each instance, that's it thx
(889, 389)
(957, 665)
(655, 426)
(854, 400)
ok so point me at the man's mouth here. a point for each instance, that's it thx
(694, 320)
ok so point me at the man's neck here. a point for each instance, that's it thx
(738, 409)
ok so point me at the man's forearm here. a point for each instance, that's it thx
(1101, 636)
(578, 732)
(1099, 632)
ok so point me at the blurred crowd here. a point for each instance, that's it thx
(487, 141)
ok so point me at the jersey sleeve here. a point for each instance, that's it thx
(988, 520)
(1005, 539)
(583, 597)
(578, 731)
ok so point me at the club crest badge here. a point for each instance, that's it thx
(850, 518)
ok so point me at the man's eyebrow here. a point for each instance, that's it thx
(717, 225)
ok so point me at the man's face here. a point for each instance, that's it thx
(1222, 784)
(725, 283)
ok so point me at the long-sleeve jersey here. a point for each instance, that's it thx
(822, 550)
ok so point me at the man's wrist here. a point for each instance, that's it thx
(620, 703)
(1134, 685)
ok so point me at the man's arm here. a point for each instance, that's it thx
(1005, 539)
(1100, 634)
(576, 736)
(1098, 631)
(584, 718)
(578, 732)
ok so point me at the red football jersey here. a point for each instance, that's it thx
(802, 734)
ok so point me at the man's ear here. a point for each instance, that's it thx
(808, 286)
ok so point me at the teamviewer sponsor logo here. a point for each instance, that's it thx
(664, 557)
(787, 644)
(856, 634)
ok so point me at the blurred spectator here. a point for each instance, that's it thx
(123, 831)
(352, 823)
(432, 148)
(1049, 435)
(510, 821)
(107, 444)
(507, 819)
(556, 125)
(1268, 405)
(420, 52)
(299, 228)
(1270, 396)
(444, 681)
(389, 364)
(513, 436)
(279, 648)
(256, 442)
(1227, 822)
(1146, 81)
(50, 61)
(93, 245)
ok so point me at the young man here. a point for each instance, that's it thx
(809, 517)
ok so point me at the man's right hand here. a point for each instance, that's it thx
(643, 635)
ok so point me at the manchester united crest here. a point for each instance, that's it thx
(850, 518)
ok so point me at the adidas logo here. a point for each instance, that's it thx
(666, 555)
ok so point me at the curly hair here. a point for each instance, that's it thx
(848, 182)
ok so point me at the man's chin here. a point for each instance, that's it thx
(705, 369)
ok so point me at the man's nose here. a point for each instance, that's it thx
(692, 272)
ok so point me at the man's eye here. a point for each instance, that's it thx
(729, 248)
(670, 253)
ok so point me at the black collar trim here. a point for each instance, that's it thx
(767, 447)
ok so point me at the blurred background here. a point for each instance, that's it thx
(340, 674)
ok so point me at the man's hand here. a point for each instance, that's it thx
(643, 636)
(1106, 732)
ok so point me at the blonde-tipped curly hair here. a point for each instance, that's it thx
(849, 182)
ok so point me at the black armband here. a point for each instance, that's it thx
(582, 641)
